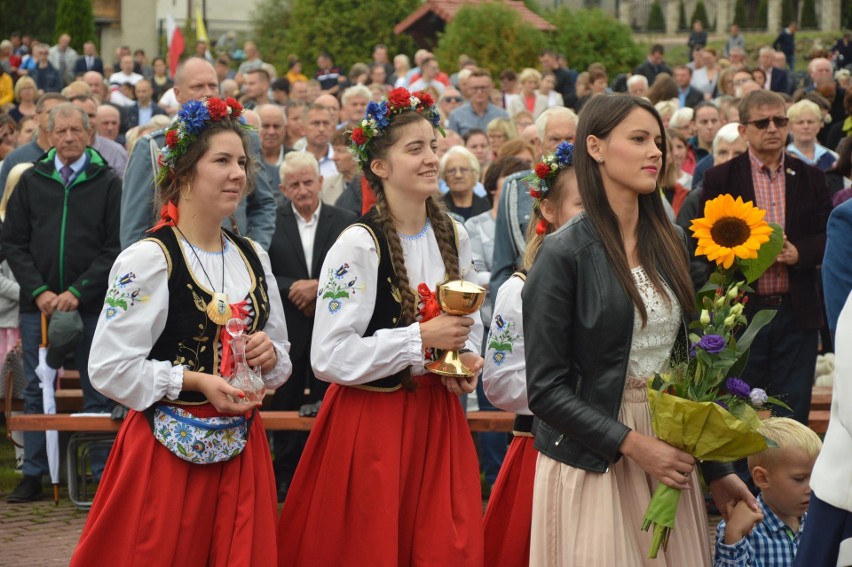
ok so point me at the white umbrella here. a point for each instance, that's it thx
(46, 376)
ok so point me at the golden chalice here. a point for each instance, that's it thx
(456, 297)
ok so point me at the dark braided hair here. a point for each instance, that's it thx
(436, 213)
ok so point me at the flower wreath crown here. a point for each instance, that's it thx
(541, 180)
(378, 116)
(193, 118)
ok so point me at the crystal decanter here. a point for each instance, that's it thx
(244, 377)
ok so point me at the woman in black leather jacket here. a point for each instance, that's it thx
(603, 305)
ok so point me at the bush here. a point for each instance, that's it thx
(494, 35)
(761, 19)
(700, 13)
(809, 16)
(787, 13)
(740, 14)
(347, 30)
(75, 18)
(656, 19)
(681, 18)
(588, 36)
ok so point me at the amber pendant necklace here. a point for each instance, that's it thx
(218, 309)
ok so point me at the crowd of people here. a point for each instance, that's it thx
(152, 222)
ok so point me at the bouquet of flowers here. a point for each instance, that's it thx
(700, 405)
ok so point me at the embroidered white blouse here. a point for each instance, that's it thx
(504, 377)
(347, 296)
(119, 366)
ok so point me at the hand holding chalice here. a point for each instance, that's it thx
(456, 297)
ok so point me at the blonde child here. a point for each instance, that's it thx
(770, 537)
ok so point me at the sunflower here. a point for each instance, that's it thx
(730, 229)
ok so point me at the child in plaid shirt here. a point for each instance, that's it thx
(769, 538)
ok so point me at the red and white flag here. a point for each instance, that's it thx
(176, 43)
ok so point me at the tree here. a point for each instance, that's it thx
(809, 16)
(347, 30)
(36, 19)
(494, 35)
(787, 13)
(740, 14)
(762, 16)
(271, 23)
(681, 17)
(656, 20)
(75, 18)
(590, 35)
(700, 13)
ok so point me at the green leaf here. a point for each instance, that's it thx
(504, 346)
(777, 402)
(340, 294)
(760, 320)
(753, 269)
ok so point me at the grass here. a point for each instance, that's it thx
(8, 477)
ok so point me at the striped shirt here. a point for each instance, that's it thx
(770, 194)
(772, 543)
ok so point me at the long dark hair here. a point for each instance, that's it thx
(659, 246)
(441, 225)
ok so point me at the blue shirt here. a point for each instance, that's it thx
(464, 118)
(772, 543)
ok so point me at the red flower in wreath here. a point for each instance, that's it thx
(425, 98)
(535, 193)
(542, 170)
(217, 108)
(160, 161)
(358, 136)
(172, 138)
(236, 107)
(399, 98)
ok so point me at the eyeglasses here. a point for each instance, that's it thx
(459, 171)
(452, 99)
(763, 123)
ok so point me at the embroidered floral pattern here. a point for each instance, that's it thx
(502, 339)
(200, 440)
(337, 289)
(122, 295)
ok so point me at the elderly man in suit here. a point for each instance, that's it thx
(794, 195)
(305, 229)
(88, 61)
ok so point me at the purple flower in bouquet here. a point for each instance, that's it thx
(713, 344)
(758, 397)
(721, 404)
(737, 387)
(692, 350)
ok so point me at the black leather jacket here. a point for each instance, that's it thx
(578, 327)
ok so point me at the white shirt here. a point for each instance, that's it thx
(120, 78)
(168, 100)
(307, 233)
(504, 376)
(119, 366)
(340, 352)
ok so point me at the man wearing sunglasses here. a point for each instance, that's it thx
(795, 196)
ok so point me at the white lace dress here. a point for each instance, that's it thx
(583, 518)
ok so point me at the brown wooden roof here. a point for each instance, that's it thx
(447, 9)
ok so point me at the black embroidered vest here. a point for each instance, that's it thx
(190, 338)
(388, 309)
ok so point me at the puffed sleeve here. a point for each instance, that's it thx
(346, 299)
(132, 319)
(504, 376)
(276, 327)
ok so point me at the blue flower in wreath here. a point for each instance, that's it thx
(183, 432)
(334, 306)
(378, 111)
(111, 312)
(194, 115)
(499, 357)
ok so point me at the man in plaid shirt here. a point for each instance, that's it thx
(795, 196)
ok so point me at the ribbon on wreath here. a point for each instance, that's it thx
(430, 308)
(168, 217)
(226, 366)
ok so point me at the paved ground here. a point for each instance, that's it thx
(39, 534)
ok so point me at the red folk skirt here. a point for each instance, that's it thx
(508, 518)
(386, 479)
(153, 508)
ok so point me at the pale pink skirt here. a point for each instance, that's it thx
(589, 519)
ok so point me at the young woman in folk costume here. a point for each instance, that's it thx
(603, 307)
(389, 475)
(508, 517)
(189, 480)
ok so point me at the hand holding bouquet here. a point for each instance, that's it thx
(699, 405)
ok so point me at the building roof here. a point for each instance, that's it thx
(447, 9)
